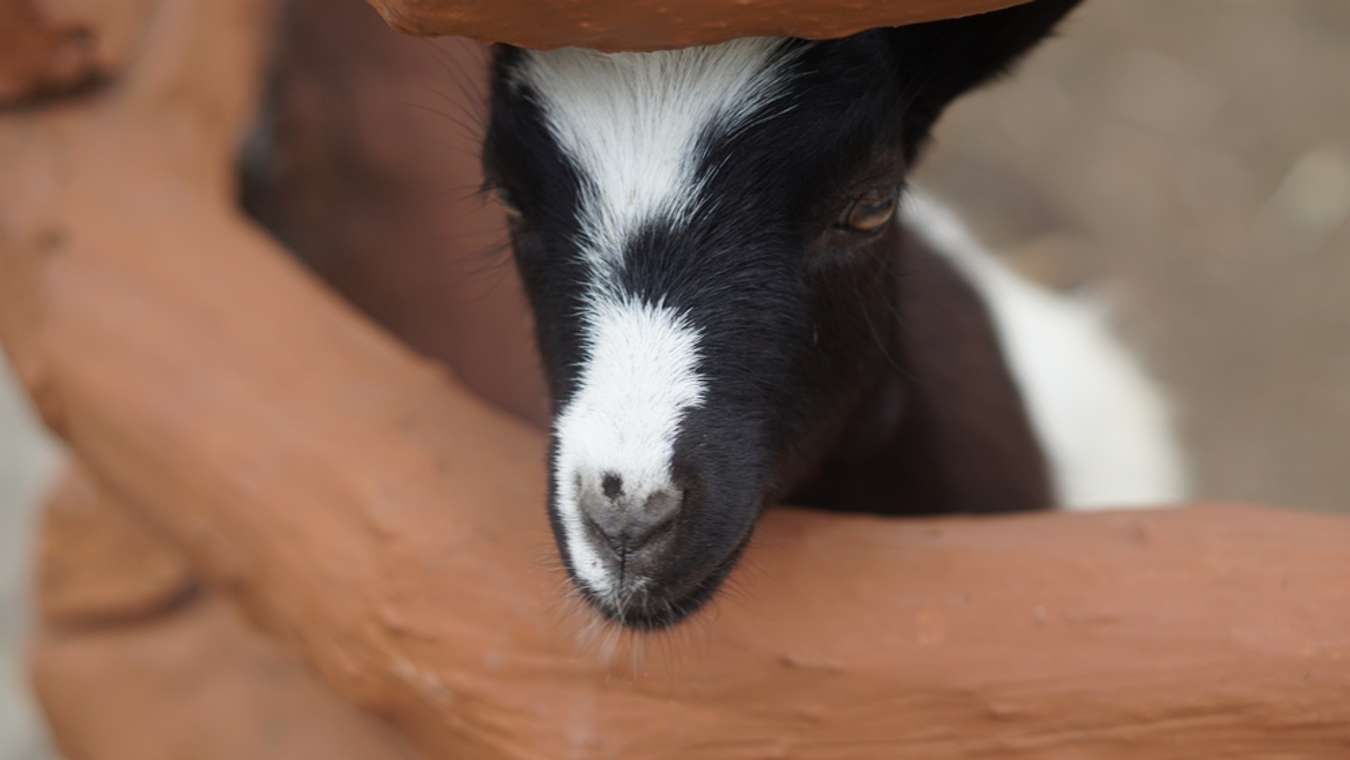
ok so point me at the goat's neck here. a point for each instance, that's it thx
(913, 408)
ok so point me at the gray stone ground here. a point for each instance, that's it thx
(27, 462)
(1193, 154)
(1196, 156)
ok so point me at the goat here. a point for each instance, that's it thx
(736, 303)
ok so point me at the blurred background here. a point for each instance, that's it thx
(1191, 158)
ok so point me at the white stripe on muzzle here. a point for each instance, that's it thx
(640, 375)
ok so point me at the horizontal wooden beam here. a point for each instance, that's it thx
(655, 24)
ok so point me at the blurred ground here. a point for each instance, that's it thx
(27, 461)
(1192, 155)
(1196, 155)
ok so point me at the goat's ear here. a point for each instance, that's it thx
(941, 60)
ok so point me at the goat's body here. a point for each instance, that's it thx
(1102, 422)
(983, 392)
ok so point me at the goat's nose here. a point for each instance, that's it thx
(632, 530)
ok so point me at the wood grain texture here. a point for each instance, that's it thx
(657, 24)
(387, 527)
(198, 682)
(53, 47)
(100, 562)
(37, 55)
(131, 662)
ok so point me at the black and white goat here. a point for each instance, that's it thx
(731, 311)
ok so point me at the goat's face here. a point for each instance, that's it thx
(680, 220)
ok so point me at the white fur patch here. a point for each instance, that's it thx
(631, 122)
(1105, 425)
(639, 376)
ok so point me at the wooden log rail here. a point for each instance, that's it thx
(655, 24)
(135, 659)
(386, 527)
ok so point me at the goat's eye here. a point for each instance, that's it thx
(870, 211)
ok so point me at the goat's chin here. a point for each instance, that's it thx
(650, 605)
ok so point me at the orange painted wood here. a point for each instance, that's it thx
(655, 24)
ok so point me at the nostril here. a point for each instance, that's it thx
(612, 485)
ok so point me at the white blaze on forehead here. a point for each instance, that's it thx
(631, 122)
(639, 376)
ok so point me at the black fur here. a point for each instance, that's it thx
(843, 371)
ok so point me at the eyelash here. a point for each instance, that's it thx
(869, 212)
